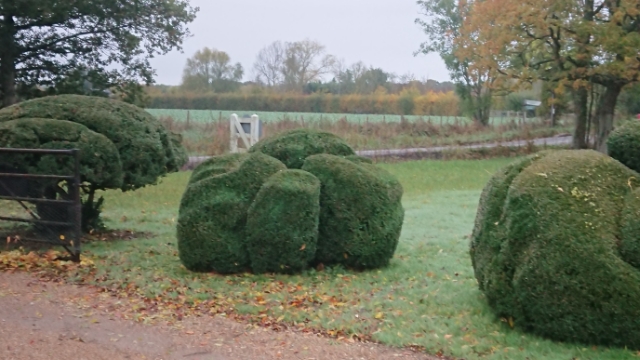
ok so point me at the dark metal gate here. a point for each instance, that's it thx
(48, 202)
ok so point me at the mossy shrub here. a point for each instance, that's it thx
(624, 144)
(213, 215)
(282, 225)
(630, 239)
(361, 212)
(146, 149)
(99, 159)
(546, 248)
(293, 147)
(217, 165)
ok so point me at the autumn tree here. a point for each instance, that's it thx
(211, 70)
(442, 25)
(42, 42)
(577, 44)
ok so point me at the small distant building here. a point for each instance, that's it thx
(531, 105)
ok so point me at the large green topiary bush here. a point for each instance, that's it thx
(360, 212)
(217, 165)
(99, 159)
(624, 144)
(630, 232)
(546, 247)
(246, 210)
(146, 150)
(213, 216)
(294, 146)
(282, 226)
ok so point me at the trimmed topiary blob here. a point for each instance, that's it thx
(293, 147)
(99, 160)
(546, 248)
(282, 225)
(361, 212)
(147, 150)
(624, 145)
(630, 241)
(217, 165)
(213, 216)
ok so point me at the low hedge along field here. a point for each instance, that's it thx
(252, 210)
(555, 247)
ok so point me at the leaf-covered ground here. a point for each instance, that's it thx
(426, 299)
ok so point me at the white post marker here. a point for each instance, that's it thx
(246, 129)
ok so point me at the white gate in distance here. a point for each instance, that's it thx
(245, 129)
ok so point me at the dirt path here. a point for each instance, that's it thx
(45, 320)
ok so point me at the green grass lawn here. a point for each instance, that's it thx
(427, 297)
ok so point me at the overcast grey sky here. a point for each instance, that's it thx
(381, 33)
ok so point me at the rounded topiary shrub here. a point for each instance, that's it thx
(624, 144)
(360, 212)
(546, 248)
(630, 239)
(213, 215)
(99, 160)
(282, 225)
(293, 147)
(217, 165)
(147, 150)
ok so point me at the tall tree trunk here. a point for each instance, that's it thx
(580, 101)
(8, 61)
(605, 114)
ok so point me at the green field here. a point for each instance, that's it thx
(213, 115)
(427, 297)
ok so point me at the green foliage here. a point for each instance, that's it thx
(225, 223)
(43, 42)
(217, 165)
(630, 99)
(213, 216)
(282, 225)
(99, 160)
(624, 144)
(360, 212)
(147, 150)
(546, 249)
(630, 239)
(293, 147)
(210, 70)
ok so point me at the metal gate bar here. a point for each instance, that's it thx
(74, 203)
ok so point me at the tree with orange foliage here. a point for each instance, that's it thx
(473, 81)
(576, 44)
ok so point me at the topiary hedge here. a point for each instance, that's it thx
(250, 210)
(99, 159)
(146, 150)
(624, 144)
(217, 165)
(630, 229)
(282, 226)
(293, 147)
(213, 216)
(546, 247)
(361, 214)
